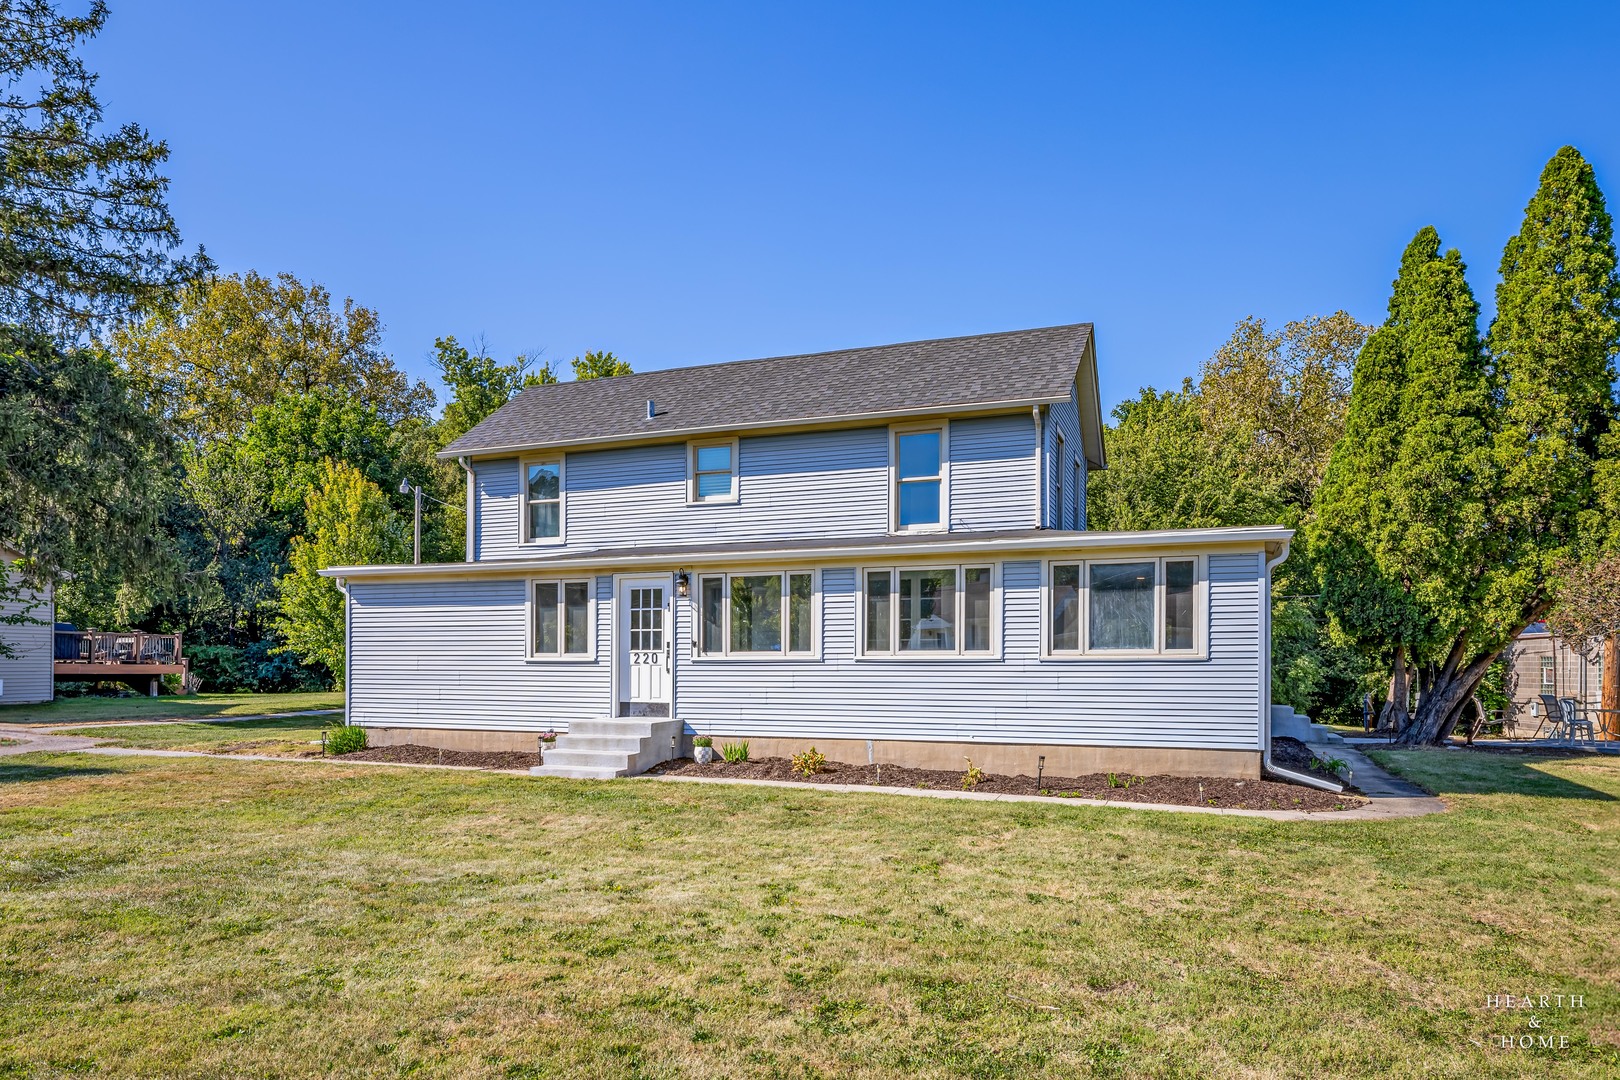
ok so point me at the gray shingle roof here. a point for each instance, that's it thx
(1020, 366)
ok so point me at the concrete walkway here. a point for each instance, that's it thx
(1389, 797)
(81, 724)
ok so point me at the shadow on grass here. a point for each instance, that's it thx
(18, 774)
(1491, 772)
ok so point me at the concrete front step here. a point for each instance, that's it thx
(603, 748)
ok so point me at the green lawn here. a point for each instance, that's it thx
(93, 709)
(287, 736)
(212, 918)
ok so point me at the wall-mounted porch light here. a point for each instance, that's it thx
(683, 585)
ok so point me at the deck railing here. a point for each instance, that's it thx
(102, 647)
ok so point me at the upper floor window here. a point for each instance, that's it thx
(1129, 607)
(561, 623)
(759, 615)
(919, 478)
(1079, 495)
(712, 468)
(542, 500)
(928, 611)
(1057, 493)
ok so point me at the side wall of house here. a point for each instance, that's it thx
(794, 486)
(452, 655)
(1064, 420)
(30, 676)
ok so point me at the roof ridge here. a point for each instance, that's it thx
(622, 379)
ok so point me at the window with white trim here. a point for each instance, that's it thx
(712, 467)
(561, 625)
(919, 479)
(1123, 607)
(1549, 680)
(542, 501)
(757, 614)
(1079, 495)
(937, 610)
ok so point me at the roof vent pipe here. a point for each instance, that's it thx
(651, 411)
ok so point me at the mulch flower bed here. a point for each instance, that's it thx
(1100, 787)
(411, 754)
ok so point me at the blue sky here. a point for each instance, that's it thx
(698, 182)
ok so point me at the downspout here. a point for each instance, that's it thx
(471, 505)
(348, 652)
(1040, 469)
(1266, 764)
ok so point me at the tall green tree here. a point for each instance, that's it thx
(479, 384)
(230, 345)
(599, 365)
(351, 523)
(83, 468)
(85, 229)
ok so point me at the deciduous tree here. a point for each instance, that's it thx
(351, 523)
(599, 365)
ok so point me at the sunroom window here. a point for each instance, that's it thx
(928, 611)
(562, 618)
(757, 614)
(1132, 606)
(542, 500)
(919, 478)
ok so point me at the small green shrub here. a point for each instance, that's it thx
(971, 778)
(1332, 765)
(345, 739)
(702, 740)
(734, 753)
(810, 762)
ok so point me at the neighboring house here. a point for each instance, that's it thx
(29, 676)
(1540, 663)
(878, 551)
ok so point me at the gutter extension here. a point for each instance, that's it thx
(1266, 764)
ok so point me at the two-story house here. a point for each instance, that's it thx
(880, 551)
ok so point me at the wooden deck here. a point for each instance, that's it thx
(98, 655)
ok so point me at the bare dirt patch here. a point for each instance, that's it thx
(411, 754)
(1102, 787)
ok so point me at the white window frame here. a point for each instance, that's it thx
(692, 449)
(726, 654)
(1200, 649)
(944, 523)
(994, 652)
(561, 461)
(533, 634)
(1549, 674)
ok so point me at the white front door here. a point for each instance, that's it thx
(645, 624)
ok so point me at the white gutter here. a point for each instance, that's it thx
(1176, 539)
(1266, 764)
(472, 507)
(1040, 469)
(970, 408)
(348, 652)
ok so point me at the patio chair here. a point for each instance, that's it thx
(1575, 726)
(1554, 711)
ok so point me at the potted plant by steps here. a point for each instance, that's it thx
(702, 749)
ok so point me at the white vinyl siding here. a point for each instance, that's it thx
(29, 676)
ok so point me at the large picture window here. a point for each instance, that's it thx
(542, 501)
(928, 611)
(919, 479)
(757, 615)
(561, 624)
(1123, 607)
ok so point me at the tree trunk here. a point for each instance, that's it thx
(1449, 688)
(1393, 716)
(1610, 693)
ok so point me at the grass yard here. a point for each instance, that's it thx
(78, 710)
(212, 918)
(284, 736)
